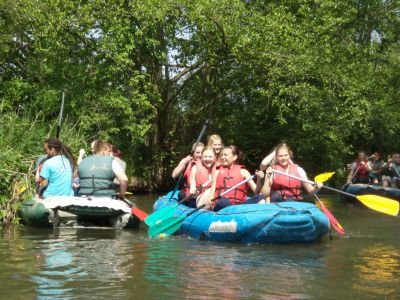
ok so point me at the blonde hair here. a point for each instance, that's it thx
(208, 148)
(213, 138)
(283, 146)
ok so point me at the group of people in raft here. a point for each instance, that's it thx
(102, 173)
(208, 172)
(374, 170)
(214, 168)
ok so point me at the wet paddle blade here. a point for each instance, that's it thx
(139, 213)
(323, 177)
(381, 204)
(160, 215)
(335, 223)
(166, 227)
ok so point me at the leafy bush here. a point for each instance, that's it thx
(21, 142)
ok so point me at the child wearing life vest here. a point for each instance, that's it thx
(185, 166)
(284, 188)
(229, 173)
(201, 176)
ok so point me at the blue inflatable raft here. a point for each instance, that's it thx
(284, 222)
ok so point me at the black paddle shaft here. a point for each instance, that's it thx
(60, 115)
(203, 130)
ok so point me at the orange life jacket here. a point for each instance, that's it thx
(286, 186)
(227, 178)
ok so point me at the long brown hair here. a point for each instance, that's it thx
(60, 148)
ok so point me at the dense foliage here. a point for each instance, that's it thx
(145, 75)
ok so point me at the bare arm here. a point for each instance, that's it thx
(123, 182)
(265, 162)
(213, 187)
(193, 180)
(81, 154)
(246, 174)
(181, 166)
(266, 188)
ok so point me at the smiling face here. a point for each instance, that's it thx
(396, 158)
(197, 152)
(228, 157)
(208, 158)
(217, 145)
(283, 157)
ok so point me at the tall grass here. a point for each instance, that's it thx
(21, 142)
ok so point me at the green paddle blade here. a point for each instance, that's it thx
(159, 215)
(381, 204)
(323, 177)
(166, 227)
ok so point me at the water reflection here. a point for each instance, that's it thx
(377, 271)
(93, 264)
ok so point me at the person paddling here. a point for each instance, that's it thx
(200, 175)
(376, 164)
(393, 178)
(57, 171)
(229, 173)
(359, 169)
(283, 188)
(185, 166)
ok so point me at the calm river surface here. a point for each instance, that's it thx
(115, 264)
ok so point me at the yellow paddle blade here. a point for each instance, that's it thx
(381, 204)
(323, 177)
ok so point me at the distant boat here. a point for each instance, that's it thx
(63, 211)
(371, 189)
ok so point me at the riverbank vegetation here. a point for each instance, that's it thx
(145, 75)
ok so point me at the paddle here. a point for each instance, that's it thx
(169, 211)
(167, 226)
(378, 203)
(60, 115)
(323, 177)
(184, 170)
(335, 223)
(134, 210)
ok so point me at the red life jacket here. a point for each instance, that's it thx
(227, 178)
(186, 177)
(285, 185)
(362, 172)
(202, 173)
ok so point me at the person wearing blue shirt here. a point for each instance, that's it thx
(57, 170)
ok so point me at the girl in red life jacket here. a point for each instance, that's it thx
(201, 175)
(359, 170)
(185, 165)
(283, 188)
(228, 174)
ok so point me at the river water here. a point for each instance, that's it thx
(122, 264)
